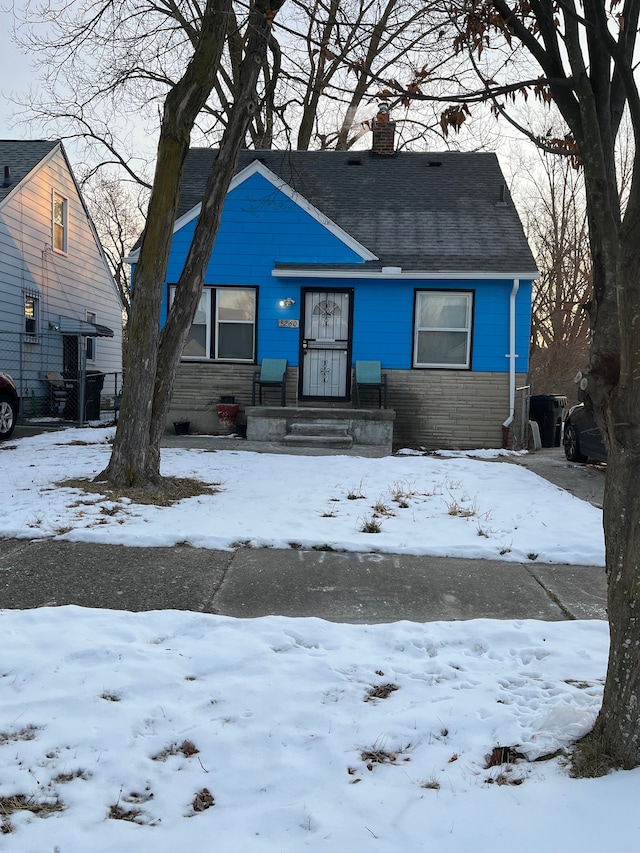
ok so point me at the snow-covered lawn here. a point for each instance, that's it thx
(171, 731)
(449, 506)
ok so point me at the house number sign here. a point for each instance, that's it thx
(288, 324)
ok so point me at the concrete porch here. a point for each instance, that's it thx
(335, 428)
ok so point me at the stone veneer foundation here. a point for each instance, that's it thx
(433, 408)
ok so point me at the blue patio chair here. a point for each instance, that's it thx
(272, 374)
(368, 376)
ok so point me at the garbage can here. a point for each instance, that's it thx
(546, 410)
(94, 380)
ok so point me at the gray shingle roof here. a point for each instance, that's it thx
(448, 211)
(20, 156)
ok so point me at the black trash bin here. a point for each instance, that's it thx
(94, 380)
(546, 410)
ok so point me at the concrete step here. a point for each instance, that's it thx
(319, 428)
(302, 440)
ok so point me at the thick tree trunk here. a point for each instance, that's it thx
(189, 287)
(132, 462)
(612, 389)
(618, 725)
(588, 60)
(617, 730)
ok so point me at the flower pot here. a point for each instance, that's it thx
(227, 414)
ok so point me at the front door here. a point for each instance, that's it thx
(326, 343)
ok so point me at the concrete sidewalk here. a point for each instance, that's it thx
(340, 587)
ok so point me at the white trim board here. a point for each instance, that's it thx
(412, 275)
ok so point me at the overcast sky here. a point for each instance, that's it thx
(16, 74)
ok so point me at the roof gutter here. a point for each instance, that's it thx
(412, 275)
(512, 354)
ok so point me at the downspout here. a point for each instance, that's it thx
(511, 355)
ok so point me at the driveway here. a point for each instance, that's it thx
(584, 481)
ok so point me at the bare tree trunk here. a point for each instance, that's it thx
(189, 287)
(132, 462)
(587, 56)
(617, 730)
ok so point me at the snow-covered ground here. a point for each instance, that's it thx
(443, 506)
(168, 731)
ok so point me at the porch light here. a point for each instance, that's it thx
(287, 303)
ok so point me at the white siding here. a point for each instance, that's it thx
(68, 284)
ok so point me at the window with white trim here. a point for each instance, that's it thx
(59, 222)
(224, 327)
(443, 329)
(91, 342)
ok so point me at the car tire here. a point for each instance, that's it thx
(8, 416)
(572, 444)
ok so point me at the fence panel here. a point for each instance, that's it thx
(35, 363)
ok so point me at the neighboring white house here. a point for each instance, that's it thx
(60, 311)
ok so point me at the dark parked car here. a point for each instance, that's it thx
(9, 405)
(582, 438)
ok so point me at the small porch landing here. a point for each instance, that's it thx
(299, 427)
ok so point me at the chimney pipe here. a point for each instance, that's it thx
(7, 176)
(383, 131)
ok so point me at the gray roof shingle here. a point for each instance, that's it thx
(20, 156)
(448, 211)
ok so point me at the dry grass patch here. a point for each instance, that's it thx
(24, 802)
(502, 755)
(134, 814)
(64, 778)
(117, 812)
(505, 777)
(377, 755)
(27, 733)
(75, 443)
(380, 691)
(187, 748)
(111, 696)
(592, 757)
(172, 490)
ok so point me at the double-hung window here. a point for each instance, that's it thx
(224, 327)
(443, 329)
(59, 222)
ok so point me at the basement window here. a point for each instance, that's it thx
(31, 316)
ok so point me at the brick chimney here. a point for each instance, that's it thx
(384, 131)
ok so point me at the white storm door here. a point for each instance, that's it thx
(325, 344)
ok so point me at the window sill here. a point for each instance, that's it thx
(442, 367)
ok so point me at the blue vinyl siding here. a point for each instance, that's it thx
(261, 226)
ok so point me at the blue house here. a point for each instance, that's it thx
(325, 258)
